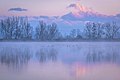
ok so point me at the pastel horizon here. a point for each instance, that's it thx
(56, 8)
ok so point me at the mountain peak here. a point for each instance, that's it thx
(86, 16)
(80, 12)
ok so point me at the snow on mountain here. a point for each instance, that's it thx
(85, 16)
(73, 20)
(82, 13)
(90, 16)
(64, 26)
(117, 17)
(76, 19)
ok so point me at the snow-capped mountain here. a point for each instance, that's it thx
(82, 13)
(73, 20)
(87, 16)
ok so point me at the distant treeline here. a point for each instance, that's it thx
(17, 28)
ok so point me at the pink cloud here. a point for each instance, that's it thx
(79, 7)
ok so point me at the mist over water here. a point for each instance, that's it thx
(59, 61)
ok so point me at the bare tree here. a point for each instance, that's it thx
(41, 31)
(111, 30)
(44, 32)
(27, 29)
(7, 28)
(52, 31)
(15, 28)
(93, 30)
(73, 33)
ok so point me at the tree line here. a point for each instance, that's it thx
(17, 28)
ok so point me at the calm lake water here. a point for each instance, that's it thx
(59, 61)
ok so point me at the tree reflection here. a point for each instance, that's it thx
(41, 56)
(18, 57)
(14, 57)
(45, 55)
(99, 56)
(52, 55)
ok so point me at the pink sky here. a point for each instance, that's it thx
(56, 7)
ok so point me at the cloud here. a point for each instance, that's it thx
(17, 9)
(79, 7)
(72, 5)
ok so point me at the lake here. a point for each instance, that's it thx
(59, 60)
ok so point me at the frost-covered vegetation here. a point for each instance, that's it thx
(17, 28)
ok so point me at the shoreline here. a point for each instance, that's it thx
(60, 41)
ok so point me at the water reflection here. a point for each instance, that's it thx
(100, 56)
(79, 70)
(14, 57)
(44, 55)
(19, 56)
(60, 61)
